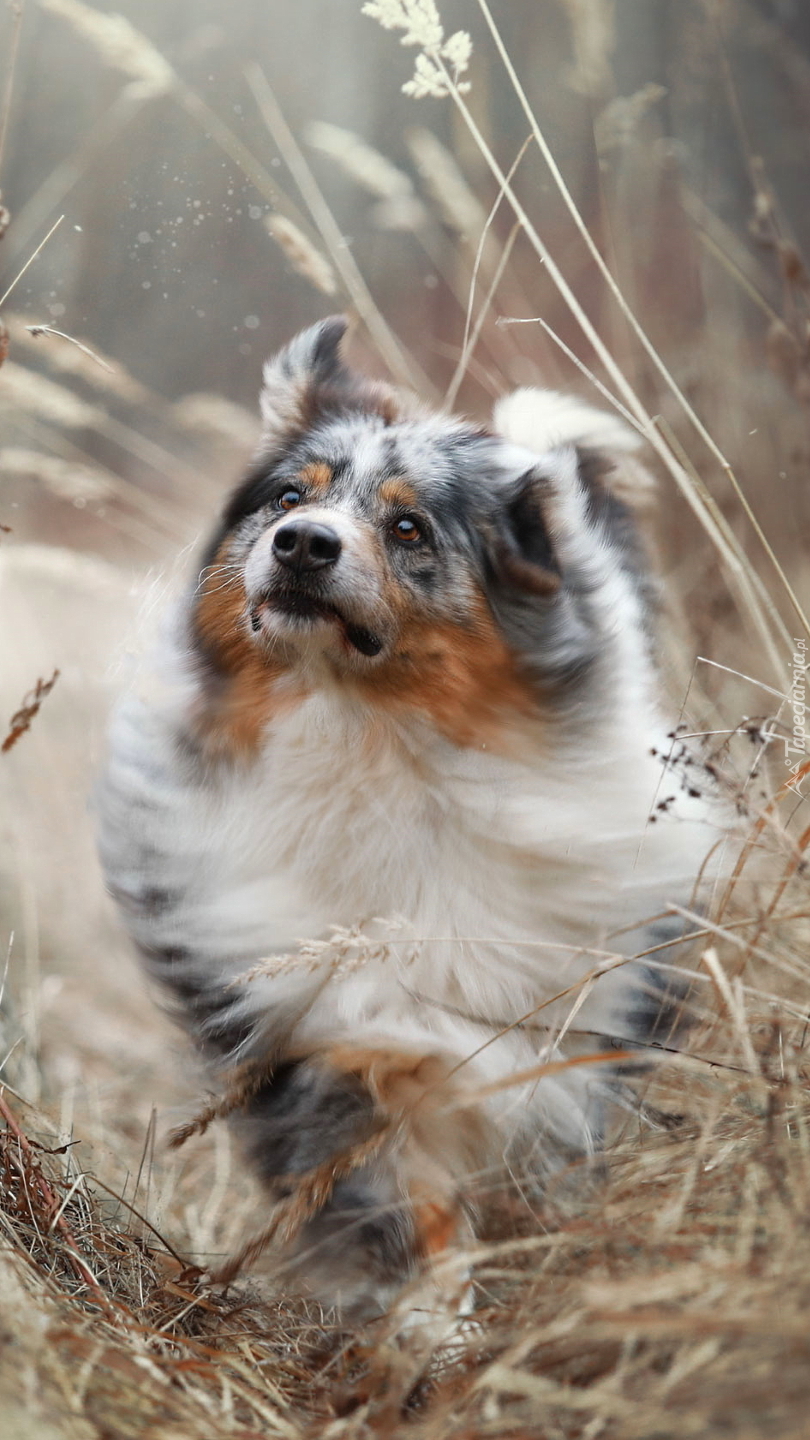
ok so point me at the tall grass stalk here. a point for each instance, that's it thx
(637, 329)
(470, 340)
(18, 277)
(403, 367)
(751, 593)
(11, 70)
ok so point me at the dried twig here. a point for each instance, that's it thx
(310, 1192)
(5, 111)
(21, 720)
(30, 260)
(49, 330)
(402, 367)
(52, 1205)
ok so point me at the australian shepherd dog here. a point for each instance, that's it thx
(381, 823)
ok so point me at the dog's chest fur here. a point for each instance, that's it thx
(506, 873)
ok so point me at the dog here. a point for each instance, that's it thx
(408, 713)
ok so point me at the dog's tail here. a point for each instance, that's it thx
(542, 420)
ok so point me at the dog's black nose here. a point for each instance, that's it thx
(306, 545)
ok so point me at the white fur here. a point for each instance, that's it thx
(543, 419)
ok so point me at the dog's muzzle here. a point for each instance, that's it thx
(306, 550)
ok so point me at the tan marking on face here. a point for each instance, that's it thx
(235, 709)
(463, 678)
(317, 478)
(398, 492)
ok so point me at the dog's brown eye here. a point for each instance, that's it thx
(289, 499)
(407, 530)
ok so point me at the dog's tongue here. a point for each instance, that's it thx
(363, 640)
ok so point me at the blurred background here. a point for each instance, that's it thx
(227, 174)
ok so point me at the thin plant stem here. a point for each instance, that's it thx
(235, 149)
(467, 348)
(16, 27)
(580, 365)
(61, 334)
(471, 339)
(718, 529)
(402, 367)
(30, 261)
(630, 317)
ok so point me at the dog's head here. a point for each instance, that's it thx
(423, 561)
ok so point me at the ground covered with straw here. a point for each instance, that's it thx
(669, 1298)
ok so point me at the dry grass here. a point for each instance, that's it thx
(670, 1299)
(662, 1293)
(21, 719)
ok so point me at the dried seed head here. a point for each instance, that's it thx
(615, 125)
(455, 200)
(362, 162)
(118, 44)
(64, 478)
(442, 62)
(24, 389)
(304, 257)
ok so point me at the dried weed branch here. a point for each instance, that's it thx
(30, 260)
(21, 719)
(36, 330)
(402, 367)
(52, 1211)
(671, 1304)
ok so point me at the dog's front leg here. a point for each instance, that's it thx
(365, 1154)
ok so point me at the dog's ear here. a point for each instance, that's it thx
(562, 525)
(527, 556)
(522, 550)
(293, 378)
(309, 378)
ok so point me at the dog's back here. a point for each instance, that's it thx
(407, 712)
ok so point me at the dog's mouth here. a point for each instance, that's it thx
(297, 606)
